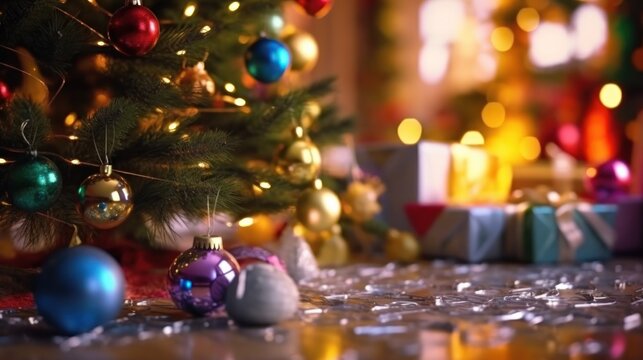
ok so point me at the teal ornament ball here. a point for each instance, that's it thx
(33, 183)
(79, 289)
(267, 60)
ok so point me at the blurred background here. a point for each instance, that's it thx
(514, 76)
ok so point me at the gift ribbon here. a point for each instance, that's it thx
(566, 205)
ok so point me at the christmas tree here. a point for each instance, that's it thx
(116, 116)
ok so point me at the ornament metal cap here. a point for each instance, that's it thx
(134, 2)
(106, 169)
(207, 242)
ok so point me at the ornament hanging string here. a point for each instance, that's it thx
(23, 126)
(105, 149)
(214, 211)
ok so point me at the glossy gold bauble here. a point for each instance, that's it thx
(303, 50)
(196, 80)
(318, 209)
(359, 201)
(261, 231)
(105, 199)
(299, 161)
(401, 246)
(334, 250)
(312, 110)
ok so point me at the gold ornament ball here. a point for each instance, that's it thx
(402, 246)
(334, 250)
(105, 199)
(318, 209)
(196, 80)
(359, 202)
(260, 232)
(300, 161)
(303, 50)
(312, 110)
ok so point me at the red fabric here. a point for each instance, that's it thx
(140, 285)
(144, 270)
(422, 216)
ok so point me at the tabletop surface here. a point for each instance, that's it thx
(435, 310)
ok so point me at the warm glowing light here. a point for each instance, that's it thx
(551, 45)
(181, 52)
(599, 133)
(240, 102)
(299, 131)
(245, 222)
(206, 29)
(433, 62)
(189, 9)
(441, 20)
(621, 171)
(528, 19)
(317, 184)
(3, 161)
(70, 119)
(472, 137)
(590, 172)
(569, 137)
(234, 6)
(409, 131)
(75, 161)
(530, 148)
(173, 126)
(102, 98)
(265, 185)
(590, 26)
(73, 137)
(611, 95)
(202, 165)
(502, 38)
(229, 87)
(488, 66)
(493, 114)
(166, 79)
(101, 43)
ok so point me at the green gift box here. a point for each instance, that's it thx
(575, 232)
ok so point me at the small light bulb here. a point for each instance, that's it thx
(234, 6)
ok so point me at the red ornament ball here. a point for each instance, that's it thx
(316, 8)
(5, 93)
(133, 29)
(609, 180)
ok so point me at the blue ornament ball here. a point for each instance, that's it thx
(79, 288)
(267, 60)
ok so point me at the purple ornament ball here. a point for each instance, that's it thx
(247, 255)
(609, 180)
(199, 277)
